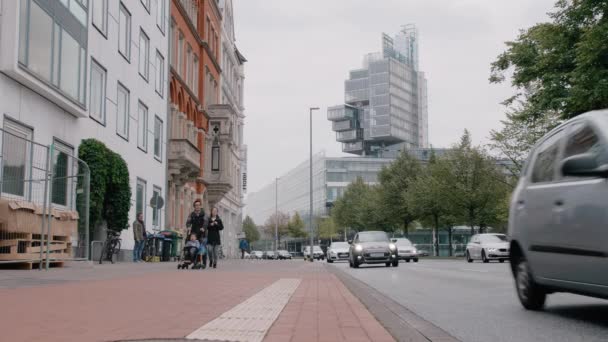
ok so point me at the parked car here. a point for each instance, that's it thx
(269, 255)
(372, 247)
(422, 252)
(283, 255)
(317, 252)
(257, 255)
(486, 247)
(405, 250)
(338, 251)
(557, 219)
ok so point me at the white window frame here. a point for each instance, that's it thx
(158, 135)
(143, 37)
(160, 74)
(126, 54)
(103, 26)
(180, 52)
(161, 13)
(120, 87)
(146, 4)
(156, 211)
(61, 147)
(188, 77)
(99, 117)
(144, 184)
(142, 141)
(22, 131)
(195, 76)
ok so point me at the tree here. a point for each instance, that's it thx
(251, 230)
(562, 66)
(394, 181)
(328, 228)
(361, 208)
(283, 221)
(295, 227)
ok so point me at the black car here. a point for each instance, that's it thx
(373, 247)
(284, 255)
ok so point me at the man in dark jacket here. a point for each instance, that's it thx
(197, 223)
(139, 229)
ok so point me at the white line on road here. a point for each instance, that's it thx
(250, 320)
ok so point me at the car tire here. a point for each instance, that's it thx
(329, 261)
(531, 295)
(396, 263)
(469, 259)
(484, 257)
(388, 264)
(501, 260)
(355, 264)
(407, 260)
(416, 260)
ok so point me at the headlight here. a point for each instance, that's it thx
(332, 252)
(414, 251)
(491, 249)
(392, 246)
(358, 248)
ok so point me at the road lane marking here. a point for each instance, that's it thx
(250, 320)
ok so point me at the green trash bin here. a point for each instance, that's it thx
(175, 242)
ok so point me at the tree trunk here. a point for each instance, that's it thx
(450, 239)
(406, 228)
(436, 242)
(471, 222)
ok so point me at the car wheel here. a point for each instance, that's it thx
(416, 260)
(407, 260)
(469, 259)
(329, 261)
(531, 295)
(396, 263)
(501, 260)
(355, 264)
(483, 257)
(388, 264)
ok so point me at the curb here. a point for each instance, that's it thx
(401, 323)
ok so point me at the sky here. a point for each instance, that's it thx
(299, 54)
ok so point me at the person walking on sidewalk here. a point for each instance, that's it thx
(213, 237)
(198, 224)
(244, 246)
(139, 228)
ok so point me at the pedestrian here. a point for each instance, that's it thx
(198, 225)
(213, 237)
(139, 228)
(244, 246)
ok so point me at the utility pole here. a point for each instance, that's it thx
(310, 213)
(276, 215)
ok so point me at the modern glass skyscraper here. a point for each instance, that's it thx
(385, 101)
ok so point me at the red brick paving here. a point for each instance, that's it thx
(156, 301)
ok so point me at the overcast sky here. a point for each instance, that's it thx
(299, 54)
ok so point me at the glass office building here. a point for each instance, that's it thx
(385, 101)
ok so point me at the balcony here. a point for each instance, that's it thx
(339, 126)
(183, 153)
(355, 147)
(348, 136)
(341, 113)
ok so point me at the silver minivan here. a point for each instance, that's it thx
(558, 220)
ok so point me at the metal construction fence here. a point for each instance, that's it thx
(44, 203)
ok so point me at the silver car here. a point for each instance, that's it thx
(405, 250)
(486, 247)
(257, 255)
(338, 251)
(558, 220)
(372, 247)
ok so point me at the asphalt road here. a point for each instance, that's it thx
(477, 302)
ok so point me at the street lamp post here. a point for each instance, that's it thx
(276, 215)
(310, 213)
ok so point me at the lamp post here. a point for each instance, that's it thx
(310, 213)
(276, 215)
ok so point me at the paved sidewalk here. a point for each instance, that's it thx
(151, 301)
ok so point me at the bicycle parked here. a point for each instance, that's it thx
(111, 246)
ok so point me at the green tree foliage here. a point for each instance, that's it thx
(283, 225)
(295, 227)
(251, 230)
(562, 66)
(395, 180)
(328, 228)
(361, 208)
(110, 190)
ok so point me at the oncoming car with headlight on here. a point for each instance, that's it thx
(373, 247)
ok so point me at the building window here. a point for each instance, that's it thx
(195, 76)
(16, 151)
(158, 138)
(189, 66)
(156, 194)
(172, 39)
(215, 155)
(180, 53)
(146, 4)
(142, 127)
(54, 48)
(140, 198)
(100, 15)
(124, 32)
(144, 55)
(98, 93)
(62, 164)
(161, 12)
(160, 74)
(122, 111)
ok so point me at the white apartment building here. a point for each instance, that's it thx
(78, 69)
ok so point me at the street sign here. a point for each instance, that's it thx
(157, 201)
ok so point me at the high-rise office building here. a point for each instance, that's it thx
(385, 100)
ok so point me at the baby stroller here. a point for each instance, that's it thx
(192, 256)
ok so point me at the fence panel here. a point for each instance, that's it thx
(44, 199)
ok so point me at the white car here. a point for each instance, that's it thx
(405, 250)
(338, 251)
(488, 247)
(257, 255)
(317, 252)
